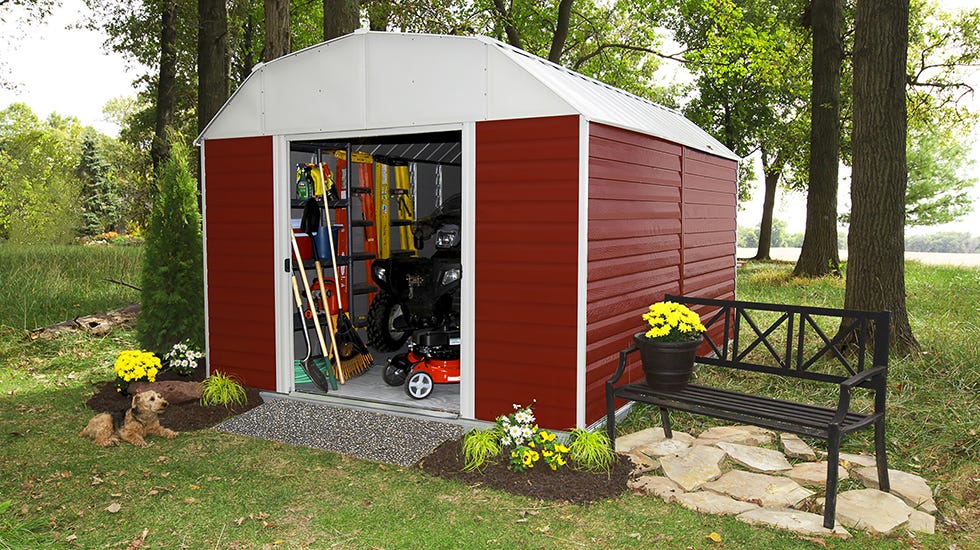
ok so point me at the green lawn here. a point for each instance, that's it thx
(215, 490)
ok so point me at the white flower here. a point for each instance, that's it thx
(514, 431)
(526, 432)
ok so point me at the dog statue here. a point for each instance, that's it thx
(132, 424)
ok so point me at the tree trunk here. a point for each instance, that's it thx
(819, 254)
(768, 204)
(876, 241)
(166, 84)
(561, 31)
(212, 54)
(340, 17)
(513, 36)
(277, 39)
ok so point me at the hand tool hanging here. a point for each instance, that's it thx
(316, 317)
(360, 358)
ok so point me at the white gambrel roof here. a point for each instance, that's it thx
(376, 80)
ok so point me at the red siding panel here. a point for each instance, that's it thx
(661, 220)
(526, 267)
(240, 287)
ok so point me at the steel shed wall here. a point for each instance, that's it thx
(526, 248)
(240, 257)
(659, 217)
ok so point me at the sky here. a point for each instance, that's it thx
(66, 70)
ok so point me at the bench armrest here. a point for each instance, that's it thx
(844, 402)
(863, 375)
(623, 355)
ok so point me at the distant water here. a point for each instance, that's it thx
(938, 258)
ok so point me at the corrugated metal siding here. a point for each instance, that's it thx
(240, 286)
(526, 258)
(661, 220)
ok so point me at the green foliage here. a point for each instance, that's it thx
(221, 389)
(590, 450)
(946, 241)
(748, 237)
(173, 281)
(478, 446)
(38, 189)
(99, 196)
(940, 179)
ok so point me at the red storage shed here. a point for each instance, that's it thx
(582, 204)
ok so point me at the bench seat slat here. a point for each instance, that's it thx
(713, 401)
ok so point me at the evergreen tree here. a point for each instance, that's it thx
(173, 278)
(100, 198)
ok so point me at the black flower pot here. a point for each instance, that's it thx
(667, 365)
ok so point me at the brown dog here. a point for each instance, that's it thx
(132, 424)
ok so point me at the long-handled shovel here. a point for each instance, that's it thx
(316, 316)
(317, 377)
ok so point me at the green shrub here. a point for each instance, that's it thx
(221, 389)
(590, 450)
(478, 446)
(173, 280)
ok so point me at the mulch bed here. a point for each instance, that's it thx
(446, 461)
(563, 484)
(181, 417)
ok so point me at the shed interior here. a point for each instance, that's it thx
(371, 203)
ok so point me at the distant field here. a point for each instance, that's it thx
(935, 258)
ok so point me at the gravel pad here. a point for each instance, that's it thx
(364, 434)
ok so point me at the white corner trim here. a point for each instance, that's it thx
(581, 313)
(284, 304)
(467, 321)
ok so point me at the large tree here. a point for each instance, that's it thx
(750, 84)
(166, 83)
(212, 59)
(340, 17)
(277, 40)
(819, 253)
(876, 242)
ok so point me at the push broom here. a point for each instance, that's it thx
(358, 357)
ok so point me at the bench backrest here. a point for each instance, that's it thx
(796, 341)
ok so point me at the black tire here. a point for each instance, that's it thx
(395, 373)
(419, 385)
(381, 332)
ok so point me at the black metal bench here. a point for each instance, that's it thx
(807, 353)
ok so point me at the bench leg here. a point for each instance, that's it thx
(665, 422)
(611, 419)
(881, 457)
(833, 461)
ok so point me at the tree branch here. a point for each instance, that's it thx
(602, 47)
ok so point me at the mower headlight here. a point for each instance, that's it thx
(450, 276)
(447, 237)
(380, 273)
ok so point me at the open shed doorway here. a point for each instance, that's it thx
(373, 191)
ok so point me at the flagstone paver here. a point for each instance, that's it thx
(744, 435)
(794, 447)
(793, 520)
(814, 474)
(666, 446)
(658, 486)
(691, 477)
(909, 487)
(693, 467)
(707, 502)
(856, 460)
(762, 489)
(887, 511)
(756, 459)
(921, 522)
(642, 463)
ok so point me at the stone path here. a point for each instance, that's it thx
(730, 471)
